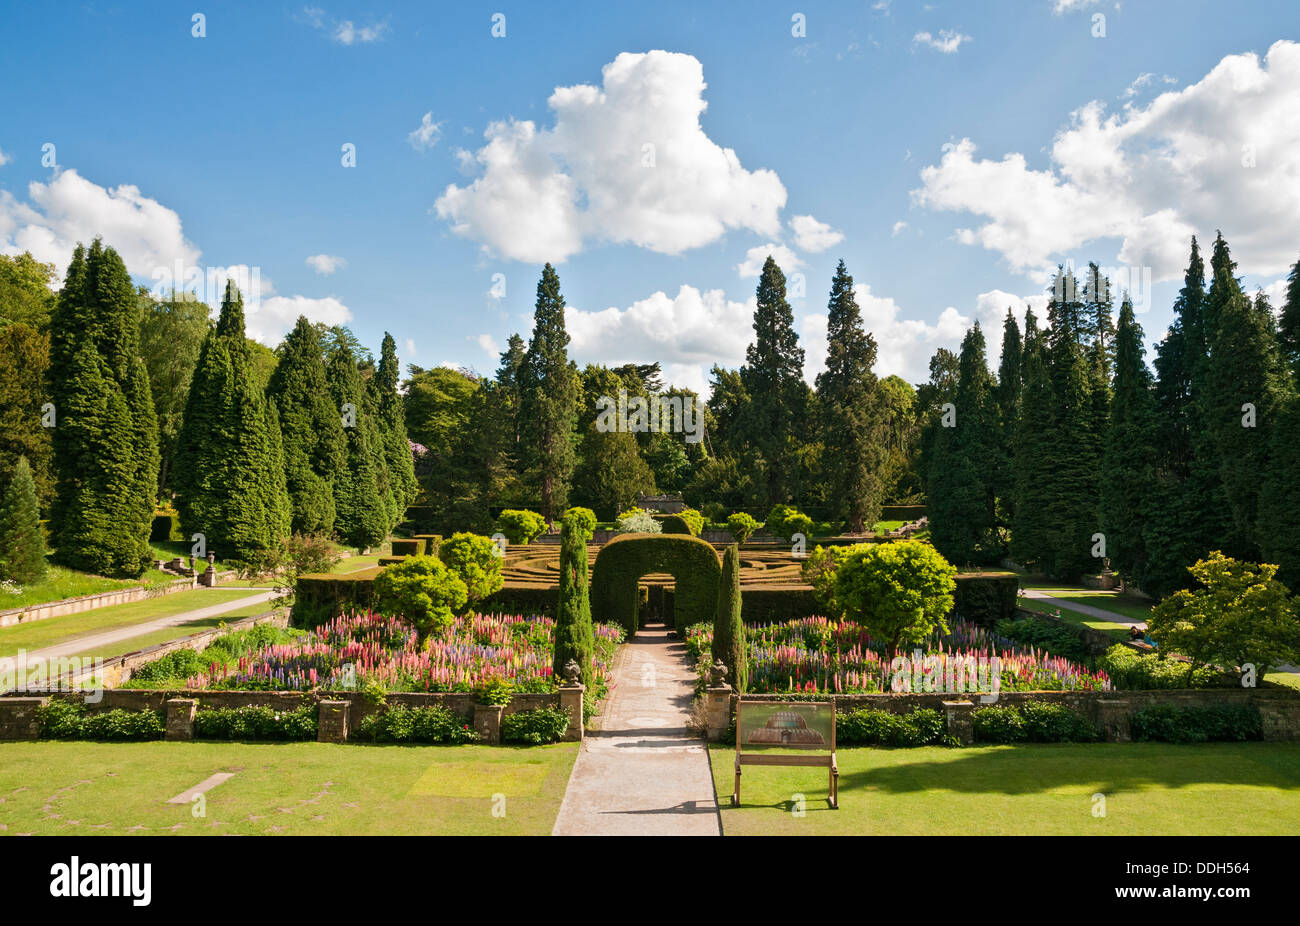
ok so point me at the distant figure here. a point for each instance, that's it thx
(1135, 634)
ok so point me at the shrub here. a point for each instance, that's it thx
(798, 523)
(521, 526)
(1168, 723)
(166, 526)
(256, 723)
(728, 628)
(922, 727)
(318, 599)
(818, 570)
(1054, 638)
(411, 547)
(476, 560)
(178, 664)
(535, 727)
(493, 689)
(583, 521)
(694, 521)
(402, 724)
(431, 543)
(1032, 722)
(774, 523)
(421, 591)
(742, 526)
(573, 632)
(621, 562)
(60, 719)
(998, 725)
(900, 592)
(637, 521)
(1134, 671)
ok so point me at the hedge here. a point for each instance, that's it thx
(986, 597)
(166, 526)
(431, 543)
(323, 597)
(391, 560)
(625, 559)
(407, 547)
(673, 524)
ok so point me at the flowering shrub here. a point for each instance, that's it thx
(637, 521)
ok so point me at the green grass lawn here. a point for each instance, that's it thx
(176, 631)
(60, 583)
(1130, 606)
(306, 789)
(887, 526)
(353, 563)
(39, 634)
(1150, 789)
(1119, 631)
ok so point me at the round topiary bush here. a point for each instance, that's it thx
(692, 562)
(423, 592)
(521, 526)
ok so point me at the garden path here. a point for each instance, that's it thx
(643, 773)
(1099, 613)
(90, 642)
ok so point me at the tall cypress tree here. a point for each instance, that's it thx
(728, 628)
(1007, 395)
(105, 444)
(1289, 323)
(392, 428)
(1279, 517)
(573, 630)
(1129, 460)
(22, 544)
(24, 363)
(851, 410)
(550, 393)
(363, 514)
(773, 379)
(1032, 527)
(311, 427)
(230, 460)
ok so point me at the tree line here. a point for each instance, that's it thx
(1077, 451)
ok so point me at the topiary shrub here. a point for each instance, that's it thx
(521, 526)
(535, 727)
(319, 598)
(900, 592)
(728, 627)
(166, 526)
(573, 632)
(625, 559)
(431, 543)
(410, 547)
(422, 591)
(742, 526)
(476, 560)
(798, 523)
(583, 521)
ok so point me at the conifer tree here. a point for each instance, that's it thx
(773, 379)
(1129, 458)
(230, 462)
(362, 513)
(1032, 527)
(1289, 323)
(105, 443)
(1007, 394)
(573, 630)
(24, 363)
(728, 627)
(311, 428)
(851, 411)
(22, 541)
(392, 429)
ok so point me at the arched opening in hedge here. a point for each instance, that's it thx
(620, 564)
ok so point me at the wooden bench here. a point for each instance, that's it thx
(785, 726)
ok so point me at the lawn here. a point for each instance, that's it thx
(304, 789)
(60, 583)
(1119, 631)
(177, 631)
(39, 634)
(1150, 789)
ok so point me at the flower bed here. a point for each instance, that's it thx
(818, 655)
(369, 650)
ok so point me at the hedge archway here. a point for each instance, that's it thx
(621, 563)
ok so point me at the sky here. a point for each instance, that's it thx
(409, 168)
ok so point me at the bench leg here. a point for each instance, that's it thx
(835, 788)
(735, 793)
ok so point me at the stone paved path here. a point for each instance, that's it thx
(642, 774)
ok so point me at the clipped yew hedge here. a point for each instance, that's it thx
(430, 542)
(322, 597)
(407, 547)
(986, 597)
(625, 559)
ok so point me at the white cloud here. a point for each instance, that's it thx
(268, 320)
(408, 347)
(4, 158)
(1069, 6)
(70, 209)
(755, 257)
(626, 162)
(325, 264)
(1150, 176)
(346, 33)
(427, 134)
(489, 344)
(814, 236)
(946, 42)
(898, 227)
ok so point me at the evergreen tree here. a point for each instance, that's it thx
(24, 362)
(728, 628)
(773, 379)
(230, 462)
(1033, 493)
(311, 427)
(1129, 459)
(1279, 512)
(22, 542)
(171, 334)
(1289, 324)
(392, 428)
(1007, 394)
(1239, 398)
(611, 472)
(851, 411)
(549, 401)
(932, 398)
(363, 507)
(105, 444)
(573, 630)
(963, 517)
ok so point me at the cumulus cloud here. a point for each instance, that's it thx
(325, 264)
(427, 134)
(489, 344)
(1069, 6)
(898, 227)
(625, 162)
(755, 257)
(4, 158)
(70, 209)
(1221, 153)
(344, 31)
(946, 42)
(814, 236)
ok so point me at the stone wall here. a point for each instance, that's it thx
(66, 606)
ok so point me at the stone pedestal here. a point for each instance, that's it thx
(180, 718)
(571, 704)
(487, 722)
(717, 711)
(1112, 719)
(209, 577)
(18, 718)
(332, 722)
(960, 720)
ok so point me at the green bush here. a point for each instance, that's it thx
(68, 720)
(638, 521)
(694, 521)
(583, 520)
(985, 597)
(476, 560)
(621, 563)
(178, 664)
(1032, 722)
(998, 725)
(422, 591)
(900, 592)
(431, 543)
(742, 526)
(411, 547)
(166, 526)
(922, 727)
(521, 526)
(1167, 723)
(798, 523)
(1133, 671)
(535, 727)
(256, 723)
(1045, 635)
(318, 599)
(402, 724)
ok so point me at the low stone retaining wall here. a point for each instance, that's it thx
(340, 711)
(66, 606)
(1109, 711)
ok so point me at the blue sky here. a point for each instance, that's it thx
(950, 152)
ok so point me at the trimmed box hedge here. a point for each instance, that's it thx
(320, 598)
(986, 597)
(407, 547)
(624, 560)
(431, 543)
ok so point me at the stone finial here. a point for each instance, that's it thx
(572, 673)
(718, 674)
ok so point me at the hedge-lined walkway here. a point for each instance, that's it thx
(642, 774)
